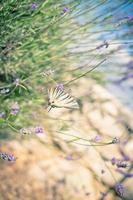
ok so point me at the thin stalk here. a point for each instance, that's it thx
(84, 74)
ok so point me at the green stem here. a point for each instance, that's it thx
(84, 74)
(12, 127)
(79, 138)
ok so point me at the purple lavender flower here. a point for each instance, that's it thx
(8, 157)
(72, 157)
(11, 157)
(60, 87)
(127, 175)
(130, 65)
(34, 6)
(113, 161)
(118, 163)
(17, 81)
(104, 194)
(125, 157)
(130, 17)
(97, 138)
(119, 188)
(27, 131)
(68, 157)
(125, 78)
(121, 164)
(2, 115)
(65, 10)
(39, 129)
(32, 130)
(15, 108)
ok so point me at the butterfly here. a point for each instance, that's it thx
(58, 98)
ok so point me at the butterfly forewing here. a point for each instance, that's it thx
(61, 99)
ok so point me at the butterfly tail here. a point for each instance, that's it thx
(49, 108)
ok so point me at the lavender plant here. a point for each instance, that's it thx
(46, 48)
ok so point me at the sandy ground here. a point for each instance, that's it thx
(49, 168)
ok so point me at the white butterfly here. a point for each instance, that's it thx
(60, 99)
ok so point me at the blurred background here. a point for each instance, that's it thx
(83, 48)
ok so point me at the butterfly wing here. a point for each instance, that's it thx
(61, 99)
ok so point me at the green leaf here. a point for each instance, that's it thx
(2, 121)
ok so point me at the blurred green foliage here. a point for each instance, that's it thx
(33, 39)
(30, 43)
